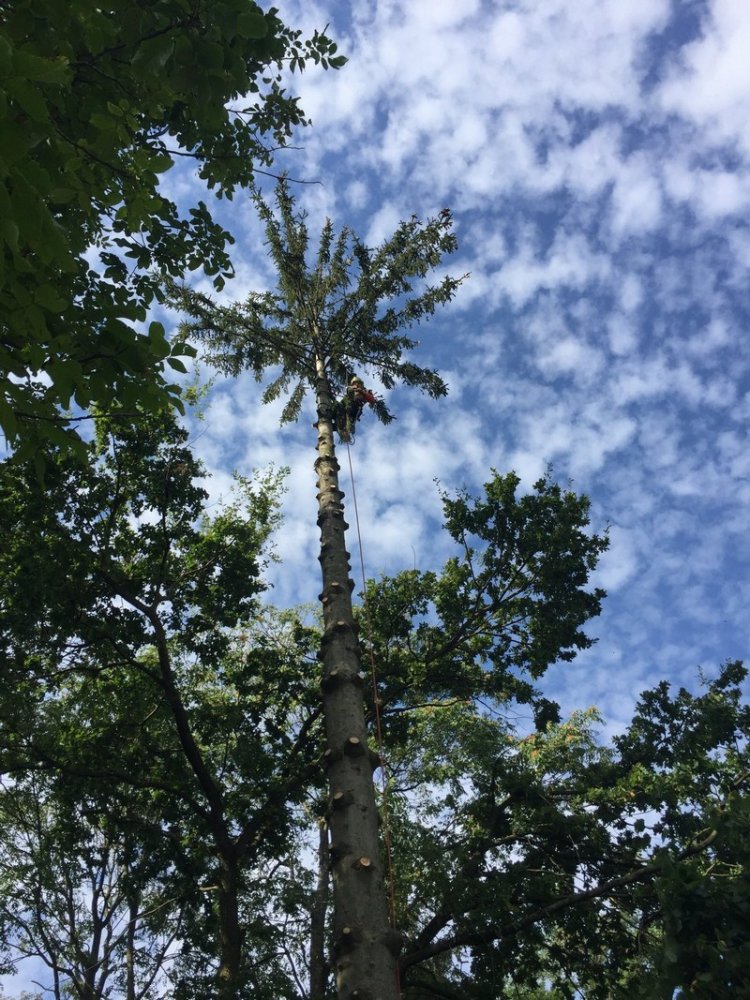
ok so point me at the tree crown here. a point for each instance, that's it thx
(349, 308)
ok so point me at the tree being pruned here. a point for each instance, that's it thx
(345, 310)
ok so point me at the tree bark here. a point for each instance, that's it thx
(365, 946)
(319, 968)
(133, 907)
(230, 932)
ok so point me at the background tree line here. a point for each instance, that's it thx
(161, 740)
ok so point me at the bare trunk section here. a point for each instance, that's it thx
(230, 932)
(133, 908)
(319, 968)
(365, 946)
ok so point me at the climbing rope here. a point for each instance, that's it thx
(387, 841)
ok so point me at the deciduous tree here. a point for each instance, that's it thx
(96, 104)
(150, 700)
(98, 908)
(123, 677)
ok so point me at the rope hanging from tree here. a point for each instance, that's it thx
(376, 704)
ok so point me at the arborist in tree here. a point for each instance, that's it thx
(349, 408)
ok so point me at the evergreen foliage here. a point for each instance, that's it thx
(348, 309)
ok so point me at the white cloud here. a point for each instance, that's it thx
(637, 200)
(586, 157)
(570, 262)
(710, 83)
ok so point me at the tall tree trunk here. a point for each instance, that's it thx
(365, 947)
(319, 968)
(230, 932)
(133, 907)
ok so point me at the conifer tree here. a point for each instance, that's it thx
(322, 323)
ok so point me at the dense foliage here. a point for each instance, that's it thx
(96, 105)
(163, 808)
(128, 690)
(160, 735)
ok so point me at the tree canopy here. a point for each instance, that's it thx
(348, 307)
(160, 739)
(96, 105)
(165, 819)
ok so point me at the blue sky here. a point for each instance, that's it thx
(596, 157)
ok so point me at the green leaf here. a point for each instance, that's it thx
(30, 99)
(252, 25)
(152, 54)
(8, 421)
(184, 349)
(6, 56)
(62, 195)
(48, 298)
(156, 332)
(9, 231)
(211, 56)
(33, 67)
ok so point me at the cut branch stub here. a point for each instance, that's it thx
(348, 939)
(338, 851)
(341, 799)
(327, 461)
(336, 676)
(331, 756)
(354, 747)
(330, 514)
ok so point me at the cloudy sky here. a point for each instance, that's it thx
(596, 158)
